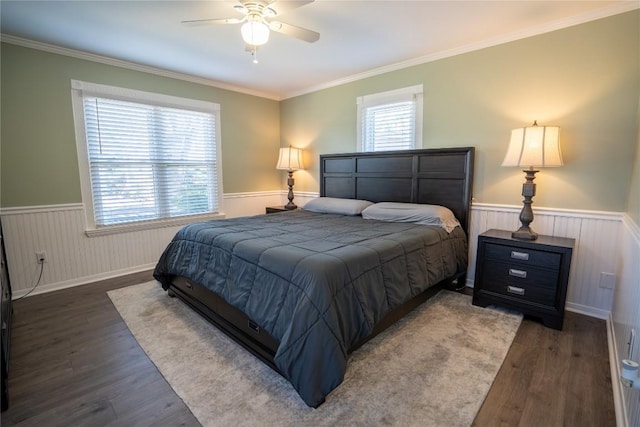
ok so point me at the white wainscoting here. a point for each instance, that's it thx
(75, 259)
(625, 317)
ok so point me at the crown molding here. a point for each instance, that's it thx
(19, 41)
(605, 12)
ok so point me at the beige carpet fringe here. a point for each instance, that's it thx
(433, 368)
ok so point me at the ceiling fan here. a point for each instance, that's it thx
(257, 22)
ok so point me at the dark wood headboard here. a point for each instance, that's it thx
(440, 176)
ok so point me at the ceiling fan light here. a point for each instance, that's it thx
(255, 33)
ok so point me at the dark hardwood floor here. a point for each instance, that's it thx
(74, 363)
(553, 378)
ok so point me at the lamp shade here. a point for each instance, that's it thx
(290, 159)
(255, 32)
(535, 146)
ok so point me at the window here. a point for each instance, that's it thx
(390, 120)
(145, 158)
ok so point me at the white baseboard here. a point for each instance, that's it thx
(587, 311)
(81, 281)
(616, 385)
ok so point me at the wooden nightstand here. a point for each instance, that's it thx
(528, 276)
(275, 209)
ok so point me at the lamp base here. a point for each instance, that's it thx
(290, 206)
(526, 215)
(524, 233)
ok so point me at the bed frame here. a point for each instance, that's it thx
(433, 176)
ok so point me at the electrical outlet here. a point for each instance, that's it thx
(607, 280)
(41, 257)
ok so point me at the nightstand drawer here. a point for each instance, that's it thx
(526, 283)
(532, 257)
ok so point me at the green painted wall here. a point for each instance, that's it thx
(38, 159)
(633, 207)
(585, 79)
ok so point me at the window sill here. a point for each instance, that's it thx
(150, 225)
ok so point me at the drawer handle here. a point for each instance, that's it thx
(253, 326)
(515, 290)
(523, 256)
(517, 273)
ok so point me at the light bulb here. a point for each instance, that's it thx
(255, 32)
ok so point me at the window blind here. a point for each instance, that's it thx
(389, 126)
(149, 162)
(390, 120)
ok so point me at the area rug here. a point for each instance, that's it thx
(433, 368)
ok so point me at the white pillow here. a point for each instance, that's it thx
(410, 212)
(336, 206)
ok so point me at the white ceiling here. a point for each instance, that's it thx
(357, 38)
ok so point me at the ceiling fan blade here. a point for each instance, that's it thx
(240, 7)
(196, 22)
(294, 31)
(284, 6)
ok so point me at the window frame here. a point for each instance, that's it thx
(80, 90)
(390, 97)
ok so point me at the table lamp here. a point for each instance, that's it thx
(532, 147)
(290, 160)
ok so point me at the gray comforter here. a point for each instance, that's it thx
(319, 283)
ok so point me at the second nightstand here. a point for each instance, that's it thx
(528, 276)
(275, 209)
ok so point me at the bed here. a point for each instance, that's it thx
(301, 290)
